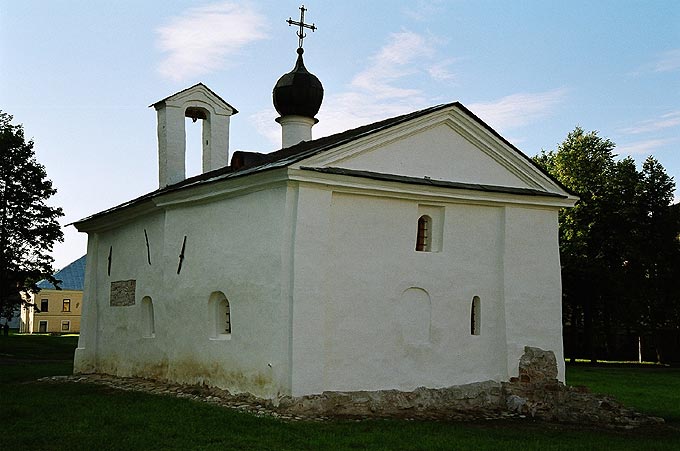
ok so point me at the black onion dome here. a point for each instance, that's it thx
(298, 92)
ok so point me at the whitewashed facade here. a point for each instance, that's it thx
(314, 250)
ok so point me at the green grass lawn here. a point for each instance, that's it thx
(654, 390)
(55, 416)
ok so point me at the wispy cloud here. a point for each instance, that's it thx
(383, 90)
(380, 90)
(519, 109)
(668, 120)
(393, 62)
(668, 61)
(202, 39)
(645, 147)
(422, 10)
(440, 71)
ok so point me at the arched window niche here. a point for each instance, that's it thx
(148, 320)
(414, 314)
(220, 316)
(475, 316)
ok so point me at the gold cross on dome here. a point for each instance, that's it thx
(301, 34)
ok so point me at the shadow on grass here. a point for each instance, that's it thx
(78, 416)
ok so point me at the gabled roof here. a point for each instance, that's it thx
(72, 277)
(155, 104)
(287, 156)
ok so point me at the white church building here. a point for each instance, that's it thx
(421, 250)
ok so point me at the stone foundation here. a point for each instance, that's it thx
(535, 393)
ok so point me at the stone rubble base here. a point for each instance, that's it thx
(535, 393)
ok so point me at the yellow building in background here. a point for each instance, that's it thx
(53, 310)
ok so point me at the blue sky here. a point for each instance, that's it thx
(80, 76)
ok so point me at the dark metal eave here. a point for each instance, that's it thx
(438, 183)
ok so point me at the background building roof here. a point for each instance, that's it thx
(72, 277)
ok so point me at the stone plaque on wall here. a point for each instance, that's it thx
(123, 293)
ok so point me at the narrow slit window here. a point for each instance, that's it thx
(225, 317)
(475, 316)
(424, 237)
(149, 322)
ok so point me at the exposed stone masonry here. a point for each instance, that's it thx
(535, 393)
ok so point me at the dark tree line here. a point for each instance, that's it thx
(619, 248)
(28, 226)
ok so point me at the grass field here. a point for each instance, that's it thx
(41, 416)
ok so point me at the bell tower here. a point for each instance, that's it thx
(198, 103)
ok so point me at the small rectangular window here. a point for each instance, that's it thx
(44, 304)
(65, 326)
(43, 327)
(66, 306)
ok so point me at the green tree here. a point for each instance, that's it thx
(28, 227)
(618, 245)
(659, 251)
(585, 164)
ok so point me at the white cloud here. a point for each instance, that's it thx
(263, 122)
(519, 109)
(393, 62)
(423, 10)
(668, 120)
(378, 91)
(668, 61)
(381, 91)
(439, 71)
(642, 147)
(202, 39)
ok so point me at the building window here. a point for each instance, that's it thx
(43, 327)
(475, 316)
(148, 320)
(44, 305)
(221, 316)
(424, 236)
(224, 315)
(66, 306)
(65, 326)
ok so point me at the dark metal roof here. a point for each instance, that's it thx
(430, 182)
(71, 277)
(256, 162)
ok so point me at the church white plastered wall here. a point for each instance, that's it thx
(315, 252)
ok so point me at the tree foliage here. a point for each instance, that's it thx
(619, 244)
(28, 226)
